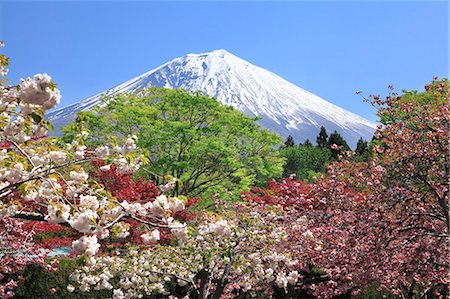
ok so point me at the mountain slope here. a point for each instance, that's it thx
(283, 107)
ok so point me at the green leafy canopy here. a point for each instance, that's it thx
(210, 147)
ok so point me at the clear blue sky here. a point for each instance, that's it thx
(330, 48)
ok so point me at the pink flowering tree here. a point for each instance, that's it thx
(382, 222)
(17, 250)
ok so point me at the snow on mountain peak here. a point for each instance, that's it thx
(219, 53)
(283, 107)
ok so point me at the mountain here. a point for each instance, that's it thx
(283, 107)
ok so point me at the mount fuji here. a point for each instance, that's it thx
(283, 107)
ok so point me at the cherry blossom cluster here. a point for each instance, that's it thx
(53, 178)
(41, 178)
(240, 251)
(3, 63)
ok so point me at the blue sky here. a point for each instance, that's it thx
(331, 48)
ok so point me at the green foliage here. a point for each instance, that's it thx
(37, 283)
(305, 161)
(209, 147)
(289, 141)
(362, 151)
(423, 100)
(372, 292)
(307, 143)
(402, 112)
(322, 138)
(336, 138)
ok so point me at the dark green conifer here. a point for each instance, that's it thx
(307, 143)
(336, 138)
(322, 138)
(289, 141)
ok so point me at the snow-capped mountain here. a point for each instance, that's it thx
(283, 107)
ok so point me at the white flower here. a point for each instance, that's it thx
(120, 230)
(219, 228)
(159, 206)
(179, 230)
(89, 202)
(79, 153)
(7, 211)
(85, 287)
(70, 288)
(281, 280)
(78, 176)
(150, 238)
(269, 275)
(105, 167)
(19, 137)
(3, 155)
(16, 173)
(293, 277)
(4, 184)
(39, 159)
(38, 130)
(13, 128)
(125, 283)
(176, 205)
(125, 167)
(32, 195)
(57, 213)
(118, 294)
(102, 152)
(83, 222)
(168, 186)
(38, 91)
(101, 233)
(3, 71)
(86, 244)
(308, 234)
(302, 219)
(129, 146)
(133, 208)
(57, 156)
(113, 213)
(49, 187)
(105, 285)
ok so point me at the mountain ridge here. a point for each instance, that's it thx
(283, 107)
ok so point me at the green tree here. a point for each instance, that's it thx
(305, 161)
(362, 151)
(209, 147)
(336, 138)
(322, 138)
(307, 143)
(289, 141)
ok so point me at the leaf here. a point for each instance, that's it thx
(50, 127)
(36, 117)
